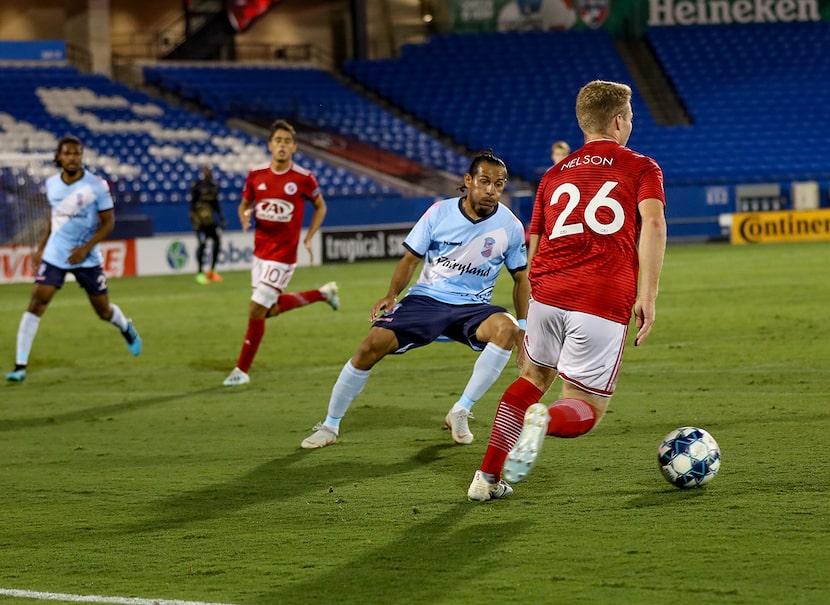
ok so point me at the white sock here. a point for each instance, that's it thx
(26, 336)
(348, 386)
(486, 371)
(118, 318)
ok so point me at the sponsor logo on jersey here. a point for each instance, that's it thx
(275, 209)
(462, 268)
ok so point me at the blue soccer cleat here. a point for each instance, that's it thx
(132, 338)
(18, 375)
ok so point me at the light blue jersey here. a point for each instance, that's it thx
(75, 211)
(463, 257)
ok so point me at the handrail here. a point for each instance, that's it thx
(79, 57)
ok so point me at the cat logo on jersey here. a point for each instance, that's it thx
(290, 188)
(487, 250)
(275, 210)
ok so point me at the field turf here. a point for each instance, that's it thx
(145, 477)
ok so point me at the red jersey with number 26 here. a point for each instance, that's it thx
(586, 217)
(279, 200)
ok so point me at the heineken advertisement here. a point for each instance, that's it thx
(625, 18)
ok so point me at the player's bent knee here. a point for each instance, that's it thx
(265, 296)
(508, 334)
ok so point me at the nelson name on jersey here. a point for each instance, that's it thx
(595, 160)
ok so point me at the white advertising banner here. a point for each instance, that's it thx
(170, 254)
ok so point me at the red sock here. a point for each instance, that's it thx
(508, 423)
(292, 300)
(256, 330)
(571, 418)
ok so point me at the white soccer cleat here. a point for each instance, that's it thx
(457, 423)
(329, 292)
(522, 457)
(236, 378)
(321, 437)
(481, 490)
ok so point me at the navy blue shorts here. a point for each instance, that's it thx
(91, 279)
(419, 320)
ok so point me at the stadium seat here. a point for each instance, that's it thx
(130, 138)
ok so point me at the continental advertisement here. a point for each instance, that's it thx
(625, 18)
(779, 227)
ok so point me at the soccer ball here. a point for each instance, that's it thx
(688, 457)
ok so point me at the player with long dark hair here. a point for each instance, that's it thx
(464, 242)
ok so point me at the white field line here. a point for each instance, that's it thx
(78, 598)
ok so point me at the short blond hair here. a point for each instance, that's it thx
(599, 102)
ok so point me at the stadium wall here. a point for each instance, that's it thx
(169, 217)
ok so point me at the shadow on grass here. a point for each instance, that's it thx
(424, 564)
(92, 413)
(666, 497)
(278, 480)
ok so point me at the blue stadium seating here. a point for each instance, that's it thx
(151, 151)
(757, 95)
(758, 98)
(307, 94)
(513, 92)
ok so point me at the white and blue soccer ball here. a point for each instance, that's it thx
(689, 457)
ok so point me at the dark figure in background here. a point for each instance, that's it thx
(204, 211)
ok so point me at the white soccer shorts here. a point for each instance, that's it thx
(586, 350)
(268, 279)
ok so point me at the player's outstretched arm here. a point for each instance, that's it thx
(244, 212)
(320, 210)
(521, 299)
(651, 251)
(404, 271)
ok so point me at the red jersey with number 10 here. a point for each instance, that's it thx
(586, 217)
(279, 200)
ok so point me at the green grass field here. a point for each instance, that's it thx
(145, 477)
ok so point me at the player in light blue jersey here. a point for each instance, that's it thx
(82, 216)
(463, 242)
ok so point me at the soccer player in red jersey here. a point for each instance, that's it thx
(598, 227)
(275, 194)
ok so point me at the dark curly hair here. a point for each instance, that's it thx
(68, 139)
